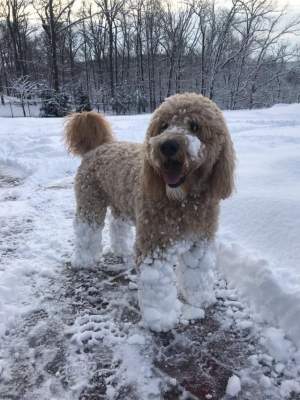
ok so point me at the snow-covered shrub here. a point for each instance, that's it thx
(24, 89)
(82, 101)
(128, 100)
(54, 104)
(121, 103)
(140, 101)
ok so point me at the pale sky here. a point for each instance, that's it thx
(294, 5)
(293, 11)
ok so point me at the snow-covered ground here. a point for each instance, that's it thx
(12, 108)
(49, 319)
(261, 222)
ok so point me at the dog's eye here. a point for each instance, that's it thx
(194, 126)
(163, 127)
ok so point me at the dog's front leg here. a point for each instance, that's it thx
(196, 274)
(158, 298)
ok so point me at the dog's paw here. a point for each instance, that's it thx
(197, 286)
(85, 261)
(190, 313)
(196, 275)
(158, 299)
(161, 321)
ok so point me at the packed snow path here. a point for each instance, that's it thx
(76, 335)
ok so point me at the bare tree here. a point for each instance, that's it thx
(111, 10)
(175, 35)
(15, 13)
(153, 31)
(53, 14)
(127, 56)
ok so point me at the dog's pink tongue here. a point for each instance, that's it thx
(171, 179)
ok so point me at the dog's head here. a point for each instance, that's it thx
(188, 148)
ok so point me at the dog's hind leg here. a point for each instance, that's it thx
(89, 222)
(121, 235)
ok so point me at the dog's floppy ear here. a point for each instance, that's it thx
(221, 180)
(152, 183)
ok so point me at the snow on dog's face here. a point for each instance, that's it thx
(176, 149)
(188, 145)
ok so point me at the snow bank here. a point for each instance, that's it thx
(259, 226)
(258, 285)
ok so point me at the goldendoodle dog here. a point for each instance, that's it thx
(169, 187)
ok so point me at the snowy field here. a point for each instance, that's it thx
(67, 335)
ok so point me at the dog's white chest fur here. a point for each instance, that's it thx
(175, 193)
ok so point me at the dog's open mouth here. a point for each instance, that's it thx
(172, 173)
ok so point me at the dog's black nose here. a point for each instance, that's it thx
(169, 148)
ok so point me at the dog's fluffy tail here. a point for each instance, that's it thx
(85, 131)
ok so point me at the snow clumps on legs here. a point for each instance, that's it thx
(88, 247)
(196, 274)
(187, 268)
(121, 235)
(158, 298)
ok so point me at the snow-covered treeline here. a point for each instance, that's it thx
(128, 56)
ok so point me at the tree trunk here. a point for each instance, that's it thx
(53, 43)
(111, 61)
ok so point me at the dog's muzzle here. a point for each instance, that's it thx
(169, 148)
(170, 151)
(173, 173)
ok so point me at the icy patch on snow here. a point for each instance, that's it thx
(233, 386)
(88, 249)
(12, 173)
(121, 236)
(63, 183)
(10, 209)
